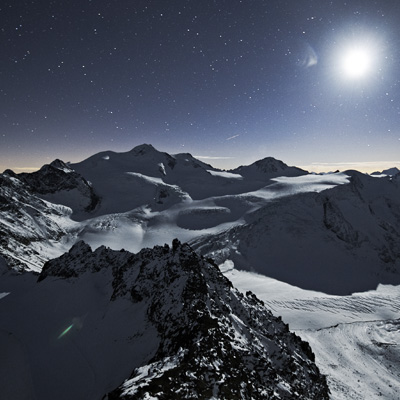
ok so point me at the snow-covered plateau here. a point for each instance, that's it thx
(320, 251)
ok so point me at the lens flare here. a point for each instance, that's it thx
(65, 331)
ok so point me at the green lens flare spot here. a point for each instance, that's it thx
(65, 331)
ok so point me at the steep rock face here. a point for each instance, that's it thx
(214, 342)
(31, 229)
(339, 241)
(57, 182)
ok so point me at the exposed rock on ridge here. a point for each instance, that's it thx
(214, 342)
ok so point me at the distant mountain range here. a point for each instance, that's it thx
(340, 230)
(390, 172)
(46, 206)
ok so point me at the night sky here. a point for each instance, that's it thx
(313, 83)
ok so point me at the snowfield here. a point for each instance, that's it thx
(355, 338)
(361, 359)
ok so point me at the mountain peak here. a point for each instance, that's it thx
(268, 167)
(270, 164)
(143, 149)
(59, 164)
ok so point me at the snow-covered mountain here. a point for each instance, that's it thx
(338, 241)
(342, 229)
(163, 323)
(134, 199)
(146, 176)
(268, 168)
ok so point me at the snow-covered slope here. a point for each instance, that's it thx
(163, 323)
(354, 337)
(189, 220)
(338, 241)
(362, 359)
(125, 181)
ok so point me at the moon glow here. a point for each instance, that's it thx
(356, 63)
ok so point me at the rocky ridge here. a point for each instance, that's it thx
(214, 342)
(58, 178)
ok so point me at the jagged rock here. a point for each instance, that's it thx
(214, 342)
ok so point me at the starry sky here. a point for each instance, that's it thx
(229, 81)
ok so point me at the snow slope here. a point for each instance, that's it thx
(362, 359)
(340, 240)
(189, 220)
(58, 183)
(355, 338)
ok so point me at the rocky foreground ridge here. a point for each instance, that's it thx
(212, 341)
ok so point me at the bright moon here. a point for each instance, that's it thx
(356, 63)
(357, 58)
